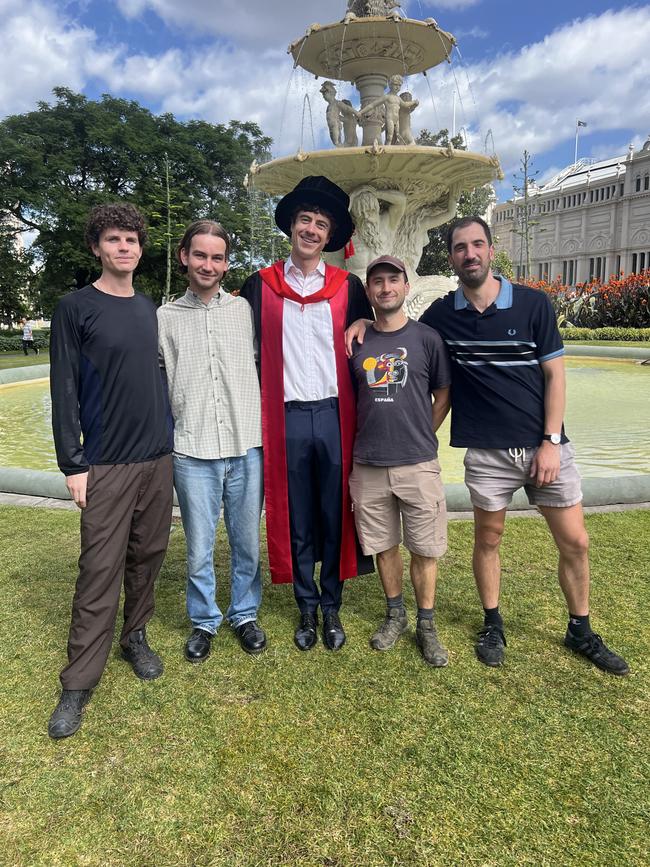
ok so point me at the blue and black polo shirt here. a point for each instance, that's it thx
(497, 387)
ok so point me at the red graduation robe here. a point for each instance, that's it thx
(274, 289)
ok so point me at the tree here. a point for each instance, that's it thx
(15, 276)
(59, 160)
(502, 264)
(434, 256)
(523, 221)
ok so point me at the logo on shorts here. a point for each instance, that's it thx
(388, 372)
(512, 332)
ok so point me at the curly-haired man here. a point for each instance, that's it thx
(113, 438)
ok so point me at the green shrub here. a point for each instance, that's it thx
(635, 334)
(14, 342)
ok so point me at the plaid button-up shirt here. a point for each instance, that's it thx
(208, 353)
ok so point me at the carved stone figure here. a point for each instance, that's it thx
(392, 104)
(340, 114)
(407, 106)
(366, 8)
(350, 119)
(333, 113)
(377, 214)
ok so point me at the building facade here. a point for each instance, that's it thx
(590, 221)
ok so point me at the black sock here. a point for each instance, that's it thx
(425, 613)
(579, 625)
(492, 617)
(395, 601)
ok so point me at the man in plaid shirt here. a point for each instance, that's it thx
(207, 348)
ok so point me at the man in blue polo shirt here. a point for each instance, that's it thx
(508, 399)
(507, 409)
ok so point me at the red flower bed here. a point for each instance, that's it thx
(622, 302)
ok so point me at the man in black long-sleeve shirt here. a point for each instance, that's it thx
(113, 438)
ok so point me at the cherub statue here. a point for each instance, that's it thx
(392, 104)
(407, 105)
(350, 119)
(340, 114)
(333, 112)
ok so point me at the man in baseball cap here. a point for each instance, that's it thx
(395, 478)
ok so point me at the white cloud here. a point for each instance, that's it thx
(274, 23)
(596, 69)
(472, 33)
(278, 22)
(38, 53)
(529, 98)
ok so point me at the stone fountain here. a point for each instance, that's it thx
(398, 189)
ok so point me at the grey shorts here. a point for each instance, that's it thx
(493, 475)
(412, 492)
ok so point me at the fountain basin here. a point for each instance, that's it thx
(387, 45)
(418, 171)
(397, 194)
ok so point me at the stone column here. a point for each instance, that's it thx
(371, 86)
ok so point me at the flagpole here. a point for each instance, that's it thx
(579, 123)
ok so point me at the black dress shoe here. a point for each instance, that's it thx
(333, 634)
(251, 637)
(305, 636)
(197, 646)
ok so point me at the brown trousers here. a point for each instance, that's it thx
(124, 532)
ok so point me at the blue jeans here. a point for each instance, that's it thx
(201, 486)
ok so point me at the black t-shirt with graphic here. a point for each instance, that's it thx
(395, 373)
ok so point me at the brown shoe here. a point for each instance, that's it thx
(430, 647)
(395, 624)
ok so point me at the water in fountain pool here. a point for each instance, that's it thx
(608, 419)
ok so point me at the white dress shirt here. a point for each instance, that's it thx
(308, 339)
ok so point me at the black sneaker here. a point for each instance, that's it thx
(147, 665)
(490, 644)
(595, 650)
(66, 717)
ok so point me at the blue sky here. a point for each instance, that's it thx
(523, 72)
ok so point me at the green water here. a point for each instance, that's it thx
(607, 419)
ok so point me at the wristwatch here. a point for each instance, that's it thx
(554, 438)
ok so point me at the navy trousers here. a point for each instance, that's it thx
(314, 471)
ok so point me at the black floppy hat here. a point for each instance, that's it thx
(318, 190)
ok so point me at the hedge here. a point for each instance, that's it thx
(612, 333)
(14, 342)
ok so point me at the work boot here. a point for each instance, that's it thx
(395, 624)
(66, 717)
(147, 665)
(431, 649)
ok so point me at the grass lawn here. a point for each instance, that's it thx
(18, 359)
(331, 760)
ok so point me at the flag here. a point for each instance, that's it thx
(580, 123)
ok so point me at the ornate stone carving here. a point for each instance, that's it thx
(397, 112)
(368, 8)
(371, 50)
(342, 118)
(407, 106)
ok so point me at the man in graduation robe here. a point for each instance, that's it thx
(301, 309)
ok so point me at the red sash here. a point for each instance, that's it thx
(276, 489)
